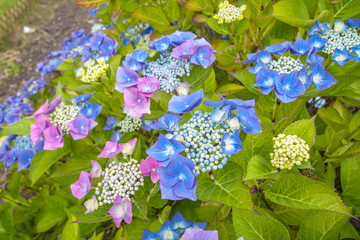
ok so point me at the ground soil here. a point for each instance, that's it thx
(53, 21)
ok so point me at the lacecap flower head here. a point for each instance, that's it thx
(289, 76)
(342, 40)
(229, 13)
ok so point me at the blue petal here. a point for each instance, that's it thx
(166, 232)
(353, 23)
(147, 235)
(249, 120)
(264, 57)
(140, 55)
(179, 223)
(356, 51)
(220, 115)
(317, 42)
(166, 179)
(184, 104)
(231, 144)
(180, 190)
(278, 49)
(265, 79)
(341, 57)
(25, 158)
(168, 193)
(110, 123)
(257, 68)
(321, 78)
(339, 26)
(300, 47)
(116, 137)
(304, 77)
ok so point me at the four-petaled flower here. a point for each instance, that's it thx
(81, 126)
(82, 186)
(121, 210)
(149, 167)
(110, 150)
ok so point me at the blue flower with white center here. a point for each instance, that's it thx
(220, 115)
(82, 98)
(161, 45)
(341, 57)
(167, 122)
(184, 104)
(166, 232)
(91, 110)
(140, 55)
(248, 120)
(300, 47)
(266, 80)
(179, 223)
(147, 235)
(340, 26)
(164, 149)
(288, 87)
(318, 27)
(317, 42)
(321, 78)
(231, 143)
(177, 180)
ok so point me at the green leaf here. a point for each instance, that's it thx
(320, 225)
(14, 184)
(6, 221)
(71, 230)
(288, 215)
(293, 12)
(152, 15)
(248, 80)
(260, 168)
(222, 28)
(262, 226)
(257, 144)
(42, 161)
(287, 113)
(139, 208)
(346, 8)
(304, 129)
(89, 4)
(99, 215)
(51, 214)
(350, 182)
(21, 127)
(302, 193)
(172, 10)
(210, 83)
(198, 76)
(349, 232)
(225, 187)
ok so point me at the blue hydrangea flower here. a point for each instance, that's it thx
(167, 122)
(147, 235)
(81, 98)
(167, 232)
(116, 137)
(110, 123)
(164, 149)
(177, 180)
(231, 143)
(184, 104)
(321, 78)
(179, 223)
(91, 110)
(161, 45)
(340, 39)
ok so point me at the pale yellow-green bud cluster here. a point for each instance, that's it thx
(289, 150)
(92, 70)
(143, 44)
(62, 115)
(229, 13)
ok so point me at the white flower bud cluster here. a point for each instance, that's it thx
(289, 150)
(129, 124)
(285, 64)
(229, 12)
(97, 27)
(92, 70)
(341, 40)
(122, 179)
(62, 115)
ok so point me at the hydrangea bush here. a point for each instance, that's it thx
(190, 120)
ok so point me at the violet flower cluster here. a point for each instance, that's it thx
(63, 119)
(342, 42)
(23, 150)
(14, 107)
(206, 139)
(180, 229)
(289, 76)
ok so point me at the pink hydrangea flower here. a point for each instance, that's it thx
(110, 150)
(42, 122)
(148, 168)
(41, 110)
(53, 138)
(136, 105)
(91, 205)
(147, 86)
(121, 210)
(128, 148)
(96, 169)
(82, 186)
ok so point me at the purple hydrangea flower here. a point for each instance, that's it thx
(199, 234)
(53, 138)
(91, 110)
(82, 186)
(147, 86)
(136, 105)
(116, 137)
(110, 123)
(178, 37)
(42, 122)
(125, 78)
(149, 168)
(121, 210)
(183, 89)
(81, 126)
(177, 180)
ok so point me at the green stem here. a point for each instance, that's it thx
(17, 202)
(274, 110)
